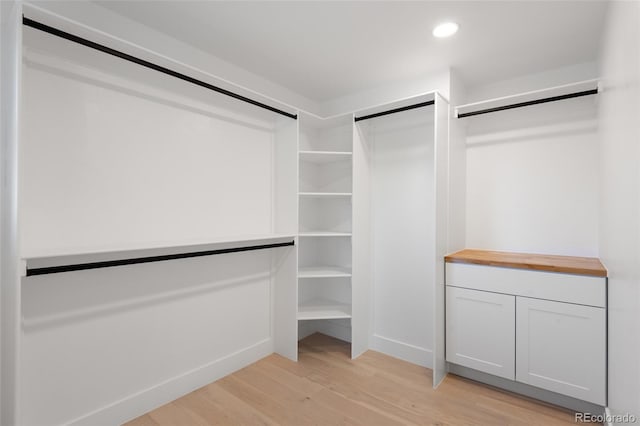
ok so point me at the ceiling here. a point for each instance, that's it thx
(325, 50)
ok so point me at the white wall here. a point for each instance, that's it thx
(128, 155)
(10, 54)
(456, 232)
(532, 179)
(620, 203)
(402, 187)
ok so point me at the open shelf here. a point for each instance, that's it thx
(325, 194)
(323, 272)
(47, 259)
(324, 234)
(526, 97)
(320, 157)
(323, 309)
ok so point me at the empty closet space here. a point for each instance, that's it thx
(398, 180)
(401, 155)
(219, 212)
(532, 175)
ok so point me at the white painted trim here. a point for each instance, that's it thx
(146, 400)
(549, 397)
(404, 351)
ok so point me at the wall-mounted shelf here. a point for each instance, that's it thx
(79, 259)
(325, 194)
(320, 157)
(324, 234)
(551, 94)
(323, 272)
(323, 309)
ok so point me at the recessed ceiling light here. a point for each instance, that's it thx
(446, 29)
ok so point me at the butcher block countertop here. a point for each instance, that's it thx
(539, 262)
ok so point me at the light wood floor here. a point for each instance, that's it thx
(326, 387)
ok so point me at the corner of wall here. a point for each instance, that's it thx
(619, 233)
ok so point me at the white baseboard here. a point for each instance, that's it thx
(403, 351)
(146, 400)
(573, 404)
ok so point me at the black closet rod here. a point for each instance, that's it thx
(148, 259)
(67, 36)
(393, 111)
(528, 103)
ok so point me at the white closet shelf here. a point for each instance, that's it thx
(323, 272)
(323, 309)
(324, 194)
(549, 92)
(324, 234)
(324, 156)
(82, 255)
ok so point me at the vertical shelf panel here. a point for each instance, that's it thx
(441, 202)
(285, 262)
(361, 242)
(10, 291)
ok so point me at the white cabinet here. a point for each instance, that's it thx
(481, 331)
(545, 329)
(561, 347)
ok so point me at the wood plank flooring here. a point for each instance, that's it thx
(326, 387)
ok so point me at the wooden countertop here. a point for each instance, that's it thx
(539, 262)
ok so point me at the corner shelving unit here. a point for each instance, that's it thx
(325, 226)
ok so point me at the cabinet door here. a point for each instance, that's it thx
(561, 347)
(481, 331)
